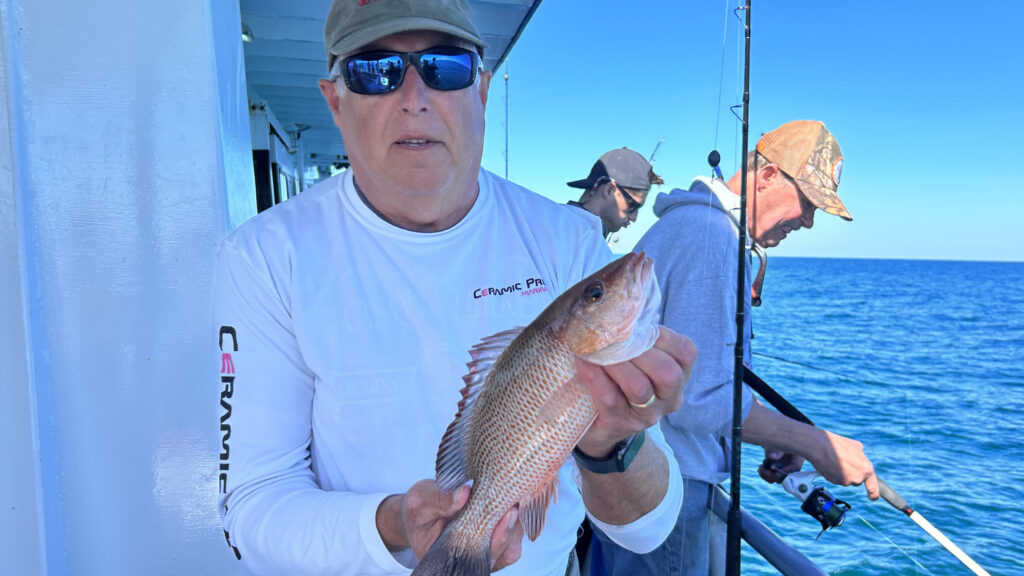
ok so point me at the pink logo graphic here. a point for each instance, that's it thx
(227, 365)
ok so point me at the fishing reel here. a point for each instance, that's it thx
(817, 501)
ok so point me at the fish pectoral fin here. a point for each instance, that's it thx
(533, 510)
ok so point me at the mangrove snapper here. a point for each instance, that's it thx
(523, 409)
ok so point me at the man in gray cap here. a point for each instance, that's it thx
(345, 315)
(794, 172)
(616, 188)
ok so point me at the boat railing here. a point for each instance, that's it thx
(779, 553)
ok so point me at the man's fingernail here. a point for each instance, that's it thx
(512, 520)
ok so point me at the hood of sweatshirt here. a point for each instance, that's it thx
(702, 191)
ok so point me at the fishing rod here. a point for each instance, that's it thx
(834, 513)
(656, 146)
(734, 529)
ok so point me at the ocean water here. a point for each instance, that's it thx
(923, 362)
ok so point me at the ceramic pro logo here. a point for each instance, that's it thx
(527, 287)
(227, 380)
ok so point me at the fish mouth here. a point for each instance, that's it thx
(646, 326)
(646, 269)
(643, 331)
(643, 270)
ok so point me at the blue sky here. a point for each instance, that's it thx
(925, 100)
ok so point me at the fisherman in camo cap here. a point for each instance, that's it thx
(347, 314)
(794, 172)
(616, 188)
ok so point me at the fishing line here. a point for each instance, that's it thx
(768, 495)
(738, 83)
(895, 545)
(709, 204)
(819, 369)
(721, 73)
(897, 501)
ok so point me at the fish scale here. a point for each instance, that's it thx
(523, 409)
(511, 440)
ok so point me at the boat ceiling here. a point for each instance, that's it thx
(286, 57)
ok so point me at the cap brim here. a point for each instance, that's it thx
(366, 34)
(585, 183)
(826, 200)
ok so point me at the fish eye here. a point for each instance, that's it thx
(593, 292)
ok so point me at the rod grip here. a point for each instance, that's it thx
(893, 497)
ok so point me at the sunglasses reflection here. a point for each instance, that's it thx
(380, 72)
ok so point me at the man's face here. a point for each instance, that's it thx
(414, 142)
(781, 208)
(621, 206)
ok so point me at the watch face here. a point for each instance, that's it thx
(618, 461)
(625, 457)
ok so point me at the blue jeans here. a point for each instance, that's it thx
(695, 547)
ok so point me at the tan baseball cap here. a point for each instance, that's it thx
(809, 154)
(352, 24)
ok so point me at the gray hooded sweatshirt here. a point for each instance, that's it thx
(694, 246)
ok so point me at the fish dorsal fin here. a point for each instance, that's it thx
(452, 467)
(533, 510)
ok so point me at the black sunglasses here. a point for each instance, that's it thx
(382, 71)
(633, 205)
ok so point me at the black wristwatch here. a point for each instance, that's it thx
(618, 461)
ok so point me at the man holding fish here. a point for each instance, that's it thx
(346, 317)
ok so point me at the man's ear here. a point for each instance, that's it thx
(766, 175)
(485, 84)
(330, 94)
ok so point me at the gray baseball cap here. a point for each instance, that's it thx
(628, 168)
(352, 24)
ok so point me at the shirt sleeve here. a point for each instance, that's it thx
(276, 519)
(650, 530)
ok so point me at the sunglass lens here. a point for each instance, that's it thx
(447, 68)
(374, 74)
(631, 204)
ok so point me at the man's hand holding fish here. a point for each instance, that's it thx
(424, 511)
(619, 391)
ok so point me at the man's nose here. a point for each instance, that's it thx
(808, 219)
(413, 92)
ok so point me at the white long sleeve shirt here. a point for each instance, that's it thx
(343, 340)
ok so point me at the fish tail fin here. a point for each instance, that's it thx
(447, 558)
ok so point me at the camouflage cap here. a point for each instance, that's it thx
(628, 168)
(352, 24)
(808, 153)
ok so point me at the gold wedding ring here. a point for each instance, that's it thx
(645, 404)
